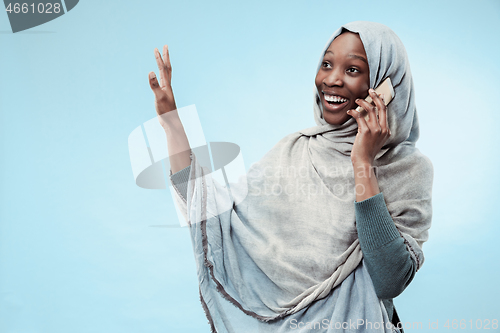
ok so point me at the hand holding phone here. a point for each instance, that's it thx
(384, 88)
(372, 133)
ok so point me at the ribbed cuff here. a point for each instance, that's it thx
(374, 223)
(180, 180)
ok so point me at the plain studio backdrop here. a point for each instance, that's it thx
(82, 247)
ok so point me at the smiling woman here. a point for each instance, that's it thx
(333, 248)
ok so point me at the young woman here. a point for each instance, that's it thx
(340, 233)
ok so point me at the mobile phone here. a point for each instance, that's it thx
(384, 88)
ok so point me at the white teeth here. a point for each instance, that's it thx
(336, 99)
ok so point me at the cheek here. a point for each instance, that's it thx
(318, 80)
(366, 83)
(360, 87)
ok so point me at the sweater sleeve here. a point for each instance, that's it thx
(386, 256)
(180, 180)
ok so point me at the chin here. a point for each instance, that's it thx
(335, 119)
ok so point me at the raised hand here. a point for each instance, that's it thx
(164, 96)
(178, 145)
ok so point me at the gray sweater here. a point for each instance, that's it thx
(385, 254)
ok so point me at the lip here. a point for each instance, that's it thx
(333, 107)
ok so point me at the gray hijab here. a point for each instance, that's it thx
(281, 244)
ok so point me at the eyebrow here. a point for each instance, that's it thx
(355, 56)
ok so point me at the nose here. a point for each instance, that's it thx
(334, 78)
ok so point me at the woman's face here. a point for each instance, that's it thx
(343, 77)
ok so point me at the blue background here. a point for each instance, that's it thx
(78, 248)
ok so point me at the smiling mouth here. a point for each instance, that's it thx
(333, 99)
(334, 102)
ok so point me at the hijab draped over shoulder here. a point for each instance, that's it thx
(283, 245)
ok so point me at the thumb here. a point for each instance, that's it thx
(153, 83)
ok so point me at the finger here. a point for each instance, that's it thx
(384, 123)
(358, 116)
(153, 83)
(161, 67)
(377, 100)
(379, 103)
(382, 112)
(166, 58)
(370, 109)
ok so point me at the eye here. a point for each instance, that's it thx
(325, 64)
(353, 70)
